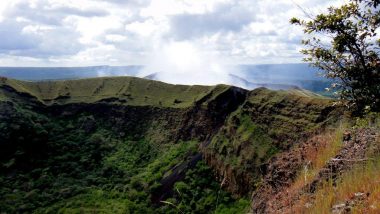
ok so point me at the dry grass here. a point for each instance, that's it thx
(328, 145)
(362, 179)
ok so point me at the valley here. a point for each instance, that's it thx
(131, 145)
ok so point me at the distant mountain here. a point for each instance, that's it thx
(153, 76)
(273, 76)
(252, 85)
(240, 82)
(271, 73)
(300, 75)
(279, 72)
(59, 73)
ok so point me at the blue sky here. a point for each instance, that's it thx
(150, 32)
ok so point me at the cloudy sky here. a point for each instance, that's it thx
(124, 32)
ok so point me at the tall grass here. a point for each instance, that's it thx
(364, 178)
(316, 157)
(328, 146)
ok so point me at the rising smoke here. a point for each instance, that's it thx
(186, 63)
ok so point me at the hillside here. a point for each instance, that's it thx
(123, 90)
(130, 145)
(272, 76)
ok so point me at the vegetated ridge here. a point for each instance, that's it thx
(127, 145)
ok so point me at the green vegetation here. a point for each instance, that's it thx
(82, 161)
(241, 146)
(52, 164)
(344, 43)
(198, 194)
(268, 122)
(119, 90)
(283, 115)
(127, 145)
(369, 120)
(243, 143)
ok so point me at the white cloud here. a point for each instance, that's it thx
(144, 28)
(185, 63)
(87, 32)
(162, 9)
(115, 38)
(92, 28)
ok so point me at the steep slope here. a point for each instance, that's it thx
(123, 90)
(268, 122)
(147, 108)
(331, 172)
(142, 145)
(73, 140)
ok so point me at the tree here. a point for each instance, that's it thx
(344, 44)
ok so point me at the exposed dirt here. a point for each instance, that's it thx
(275, 195)
(355, 150)
(357, 199)
(280, 173)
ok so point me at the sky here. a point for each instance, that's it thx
(169, 34)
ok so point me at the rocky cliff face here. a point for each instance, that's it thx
(267, 123)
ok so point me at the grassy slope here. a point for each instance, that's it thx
(123, 90)
(297, 195)
(267, 123)
(71, 169)
(250, 136)
(362, 178)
